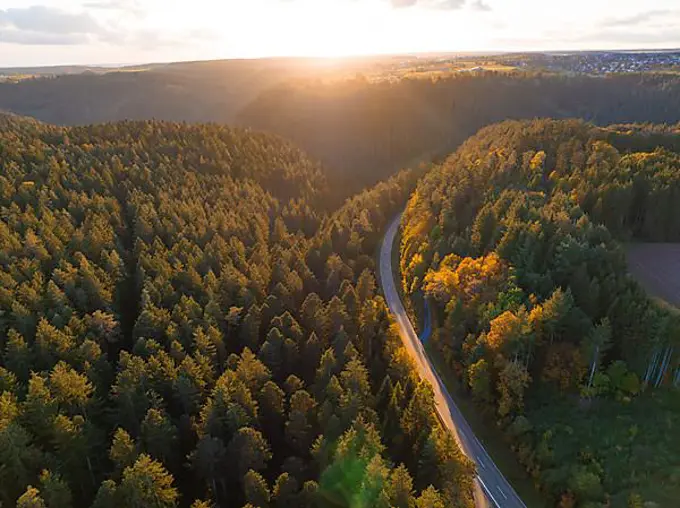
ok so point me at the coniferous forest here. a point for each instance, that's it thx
(516, 242)
(361, 129)
(190, 314)
(358, 127)
(187, 319)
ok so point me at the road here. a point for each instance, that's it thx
(497, 491)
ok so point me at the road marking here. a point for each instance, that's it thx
(488, 492)
(481, 463)
(501, 491)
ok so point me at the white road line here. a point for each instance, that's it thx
(481, 463)
(488, 492)
(501, 491)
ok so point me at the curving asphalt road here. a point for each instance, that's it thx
(492, 488)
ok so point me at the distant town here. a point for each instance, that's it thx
(598, 62)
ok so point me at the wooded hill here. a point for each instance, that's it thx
(184, 91)
(184, 322)
(362, 130)
(516, 241)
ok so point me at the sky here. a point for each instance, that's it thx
(89, 32)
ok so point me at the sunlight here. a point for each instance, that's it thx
(319, 29)
(310, 28)
(331, 28)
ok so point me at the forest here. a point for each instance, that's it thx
(357, 127)
(183, 91)
(189, 316)
(362, 130)
(516, 241)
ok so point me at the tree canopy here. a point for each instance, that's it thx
(186, 318)
(516, 239)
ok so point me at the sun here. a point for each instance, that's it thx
(317, 28)
(320, 29)
(329, 28)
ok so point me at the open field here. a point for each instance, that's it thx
(657, 267)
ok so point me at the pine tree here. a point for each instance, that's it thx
(256, 489)
(123, 451)
(249, 450)
(147, 484)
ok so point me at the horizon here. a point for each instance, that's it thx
(77, 32)
(425, 54)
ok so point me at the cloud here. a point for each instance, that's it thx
(42, 25)
(637, 19)
(429, 4)
(480, 5)
(42, 19)
(154, 40)
(664, 37)
(38, 38)
(112, 4)
(133, 7)
(403, 3)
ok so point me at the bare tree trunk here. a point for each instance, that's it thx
(89, 468)
(651, 366)
(592, 366)
(664, 366)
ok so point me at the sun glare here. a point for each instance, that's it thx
(323, 29)
(331, 28)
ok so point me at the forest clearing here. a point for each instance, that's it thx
(657, 267)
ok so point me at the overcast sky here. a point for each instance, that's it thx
(54, 32)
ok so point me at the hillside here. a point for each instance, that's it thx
(188, 91)
(359, 117)
(362, 128)
(184, 322)
(515, 239)
(201, 91)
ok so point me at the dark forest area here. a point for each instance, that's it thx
(358, 127)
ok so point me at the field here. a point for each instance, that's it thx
(657, 267)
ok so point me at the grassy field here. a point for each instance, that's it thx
(657, 267)
(636, 444)
(433, 69)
